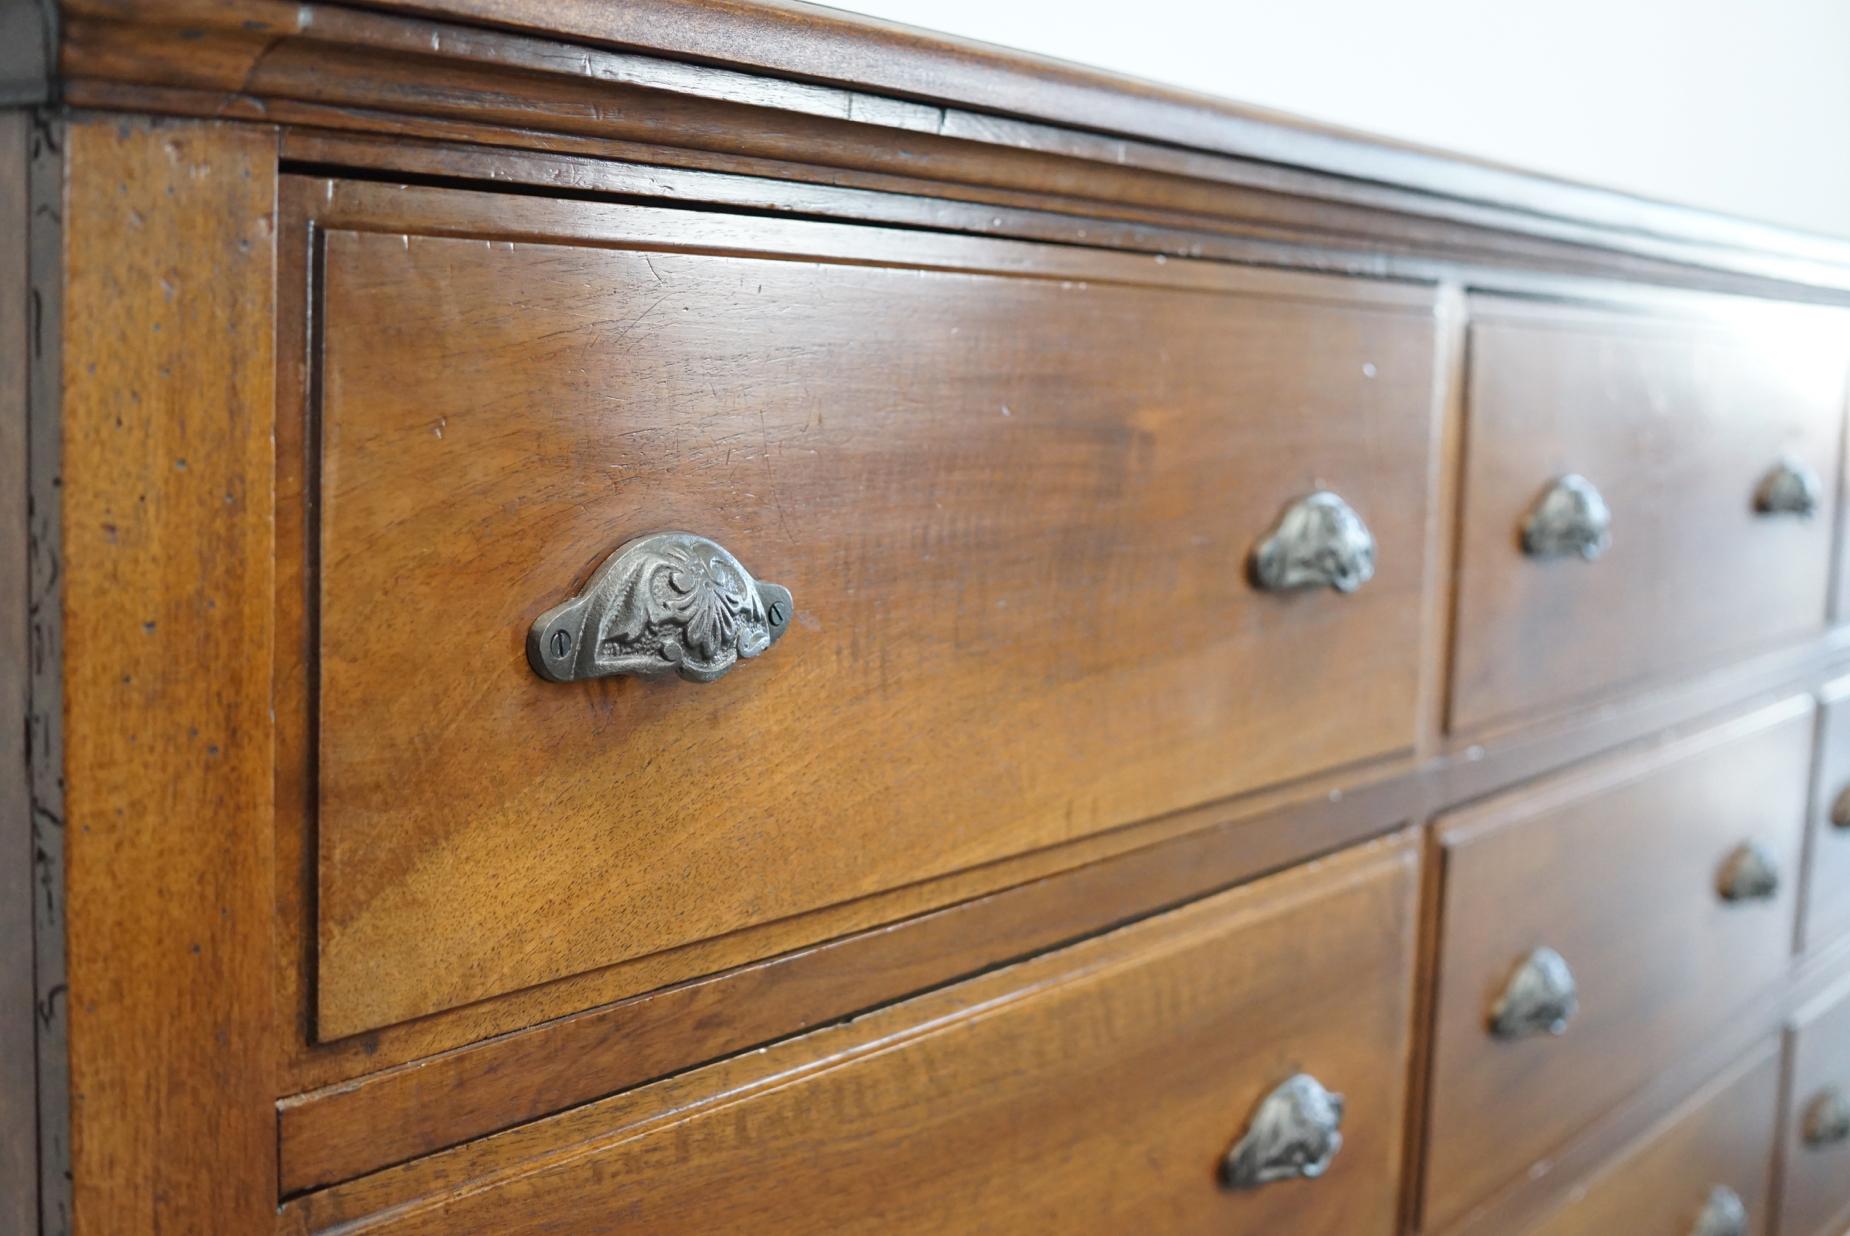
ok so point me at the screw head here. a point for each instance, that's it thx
(561, 642)
(775, 612)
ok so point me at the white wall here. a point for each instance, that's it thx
(1738, 105)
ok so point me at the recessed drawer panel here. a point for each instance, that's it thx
(1816, 1187)
(1234, 1067)
(1710, 1162)
(1023, 501)
(1640, 497)
(1596, 926)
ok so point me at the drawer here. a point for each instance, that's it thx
(1615, 874)
(1101, 1089)
(1017, 495)
(1815, 1191)
(1675, 426)
(1709, 1160)
(1827, 881)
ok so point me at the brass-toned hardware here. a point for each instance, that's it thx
(1827, 1119)
(1750, 874)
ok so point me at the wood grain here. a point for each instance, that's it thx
(19, 1134)
(970, 480)
(383, 73)
(1092, 1090)
(1723, 1136)
(1815, 1186)
(1615, 867)
(1675, 423)
(168, 376)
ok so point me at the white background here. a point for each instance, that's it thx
(1738, 105)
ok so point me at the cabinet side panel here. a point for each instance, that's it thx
(18, 1072)
(167, 484)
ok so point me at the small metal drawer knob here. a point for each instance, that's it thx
(1724, 1215)
(1840, 809)
(1750, 874)
(1540, 998)
(1318, 542)
(666, 603)
(1827, 1119)
(1789, 488)
(1293, 1134)
(1570, 519)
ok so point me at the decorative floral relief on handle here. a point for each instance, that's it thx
(1294, 1133)
(1318, 542)
(1725, 1214)
(1750, 874)
(1789, 488)
(1540, 998)
(666, 603)
(1569, 519)
(1827, 1119)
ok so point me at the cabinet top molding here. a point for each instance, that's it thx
(816, 87)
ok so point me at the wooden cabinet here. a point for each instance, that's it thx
(1608, 903)
(1679, 436)
(1815, 1150)
(1709, 1162)
(696, 617)
(1013, 490)
(1174, 1075)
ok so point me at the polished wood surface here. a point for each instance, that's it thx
(1722, 1137)
(1675, 423)
(452, 180)
(166, 587)
(1615, 868)
(1815, 1185)
(19, 1135)
(904, 461)
(302, 63)
(1093, 1090)
(1826, 914)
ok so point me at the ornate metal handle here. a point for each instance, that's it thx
(1725, 1214)
(1318, 542)
(669, 602)
(1789, 488)
(1292, 1135)
(1570, 518)
(1840, 810)
(1750, 874)
(1540, 998)
(1827, 1119)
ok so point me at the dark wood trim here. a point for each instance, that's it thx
(19, 1159)
(45, 718)
(1230, 169)
(28, 43)
(812, 43)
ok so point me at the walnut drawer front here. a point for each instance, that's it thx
(1678, 433)
(1711, 1158)
(1815, 1186)
(1100, 1089)
(1596, 926)
(1014, 491)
